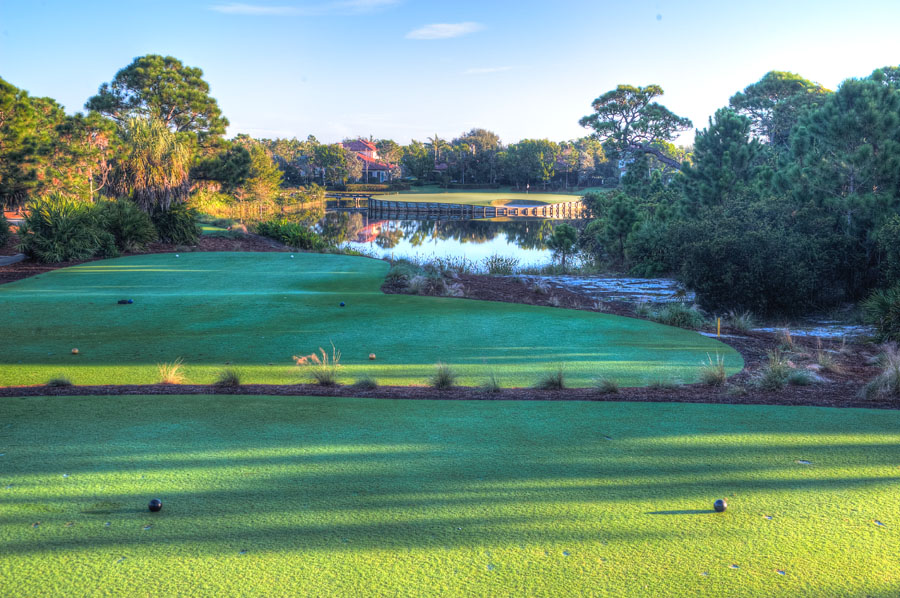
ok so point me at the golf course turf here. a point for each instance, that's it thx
(253, 311)
(306, 496)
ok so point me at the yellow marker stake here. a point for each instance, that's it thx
(718, 327)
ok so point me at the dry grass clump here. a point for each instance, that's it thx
(321, 368)
(887, 383)
(491, 384)
(170, 373)
(713, 372)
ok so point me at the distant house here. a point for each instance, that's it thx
(373, 169)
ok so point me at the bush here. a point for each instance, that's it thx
(367, 187)
(61, 229)
(491, 384)
(401, 272)
(177, 225)
(758, 258)
(775, 374)
(131, 228)
(4, 229)
(444, 378)
(367, 382)
(499, 265)
(648, 250)
(554, 380)
(229, 378)
(882, 310)
(59, 382)
(887, 383)
(607, 386)
(741, 321)
(292, 234)
(680, 316)
(713, 372)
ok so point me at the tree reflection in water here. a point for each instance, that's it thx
(473, 239)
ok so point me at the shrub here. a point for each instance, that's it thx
(741, 321)
(554, 380)
(775, 373)
(887, 383)
(131, 228)
(713, 373)
(59, 382)
(61, 229)
(762, 257)
(800, 378)
(292, 234)
(785, 339)
(499, 265)
(882, 310)
(443, 377)
(228, 377)
(827, 360)
(663, 384)
(323, 370)
(491, 384)
(170, 373)
(177, 225)
(401, 272)
(607, 386)
(680, 316)
(4, 229)
(366, 382)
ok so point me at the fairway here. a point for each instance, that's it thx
(481, 199)
(296, 496)
(254, 311)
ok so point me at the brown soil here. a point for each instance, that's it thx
(841, 388)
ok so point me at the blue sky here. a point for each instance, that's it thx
(407, 69)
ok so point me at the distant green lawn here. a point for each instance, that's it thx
(254, 311)
(288, 496)
(478, 198)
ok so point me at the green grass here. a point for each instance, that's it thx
(254, 311)
(476, 198)
(288, 496)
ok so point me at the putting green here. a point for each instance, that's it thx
(254, 311)
(481, 199)
(295, 496)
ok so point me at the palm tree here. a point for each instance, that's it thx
(155, 166)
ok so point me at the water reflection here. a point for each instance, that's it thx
(523, 239)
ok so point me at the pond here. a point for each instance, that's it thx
(521, 239)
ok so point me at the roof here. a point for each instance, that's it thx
(373, 164)
(360, 145)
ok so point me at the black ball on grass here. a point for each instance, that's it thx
(155, 505)
(342, 304)
(720, 505)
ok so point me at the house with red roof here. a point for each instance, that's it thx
(373, 169)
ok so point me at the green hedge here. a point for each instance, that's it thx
(292, 234)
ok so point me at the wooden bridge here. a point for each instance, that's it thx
(380, 208)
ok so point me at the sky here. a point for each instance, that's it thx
(412, 69)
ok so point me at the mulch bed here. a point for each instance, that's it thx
(841, 389)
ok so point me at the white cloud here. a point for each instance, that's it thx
(444, 30)
(487, 70)
(339, 7)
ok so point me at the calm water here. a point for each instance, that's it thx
(475, 240)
